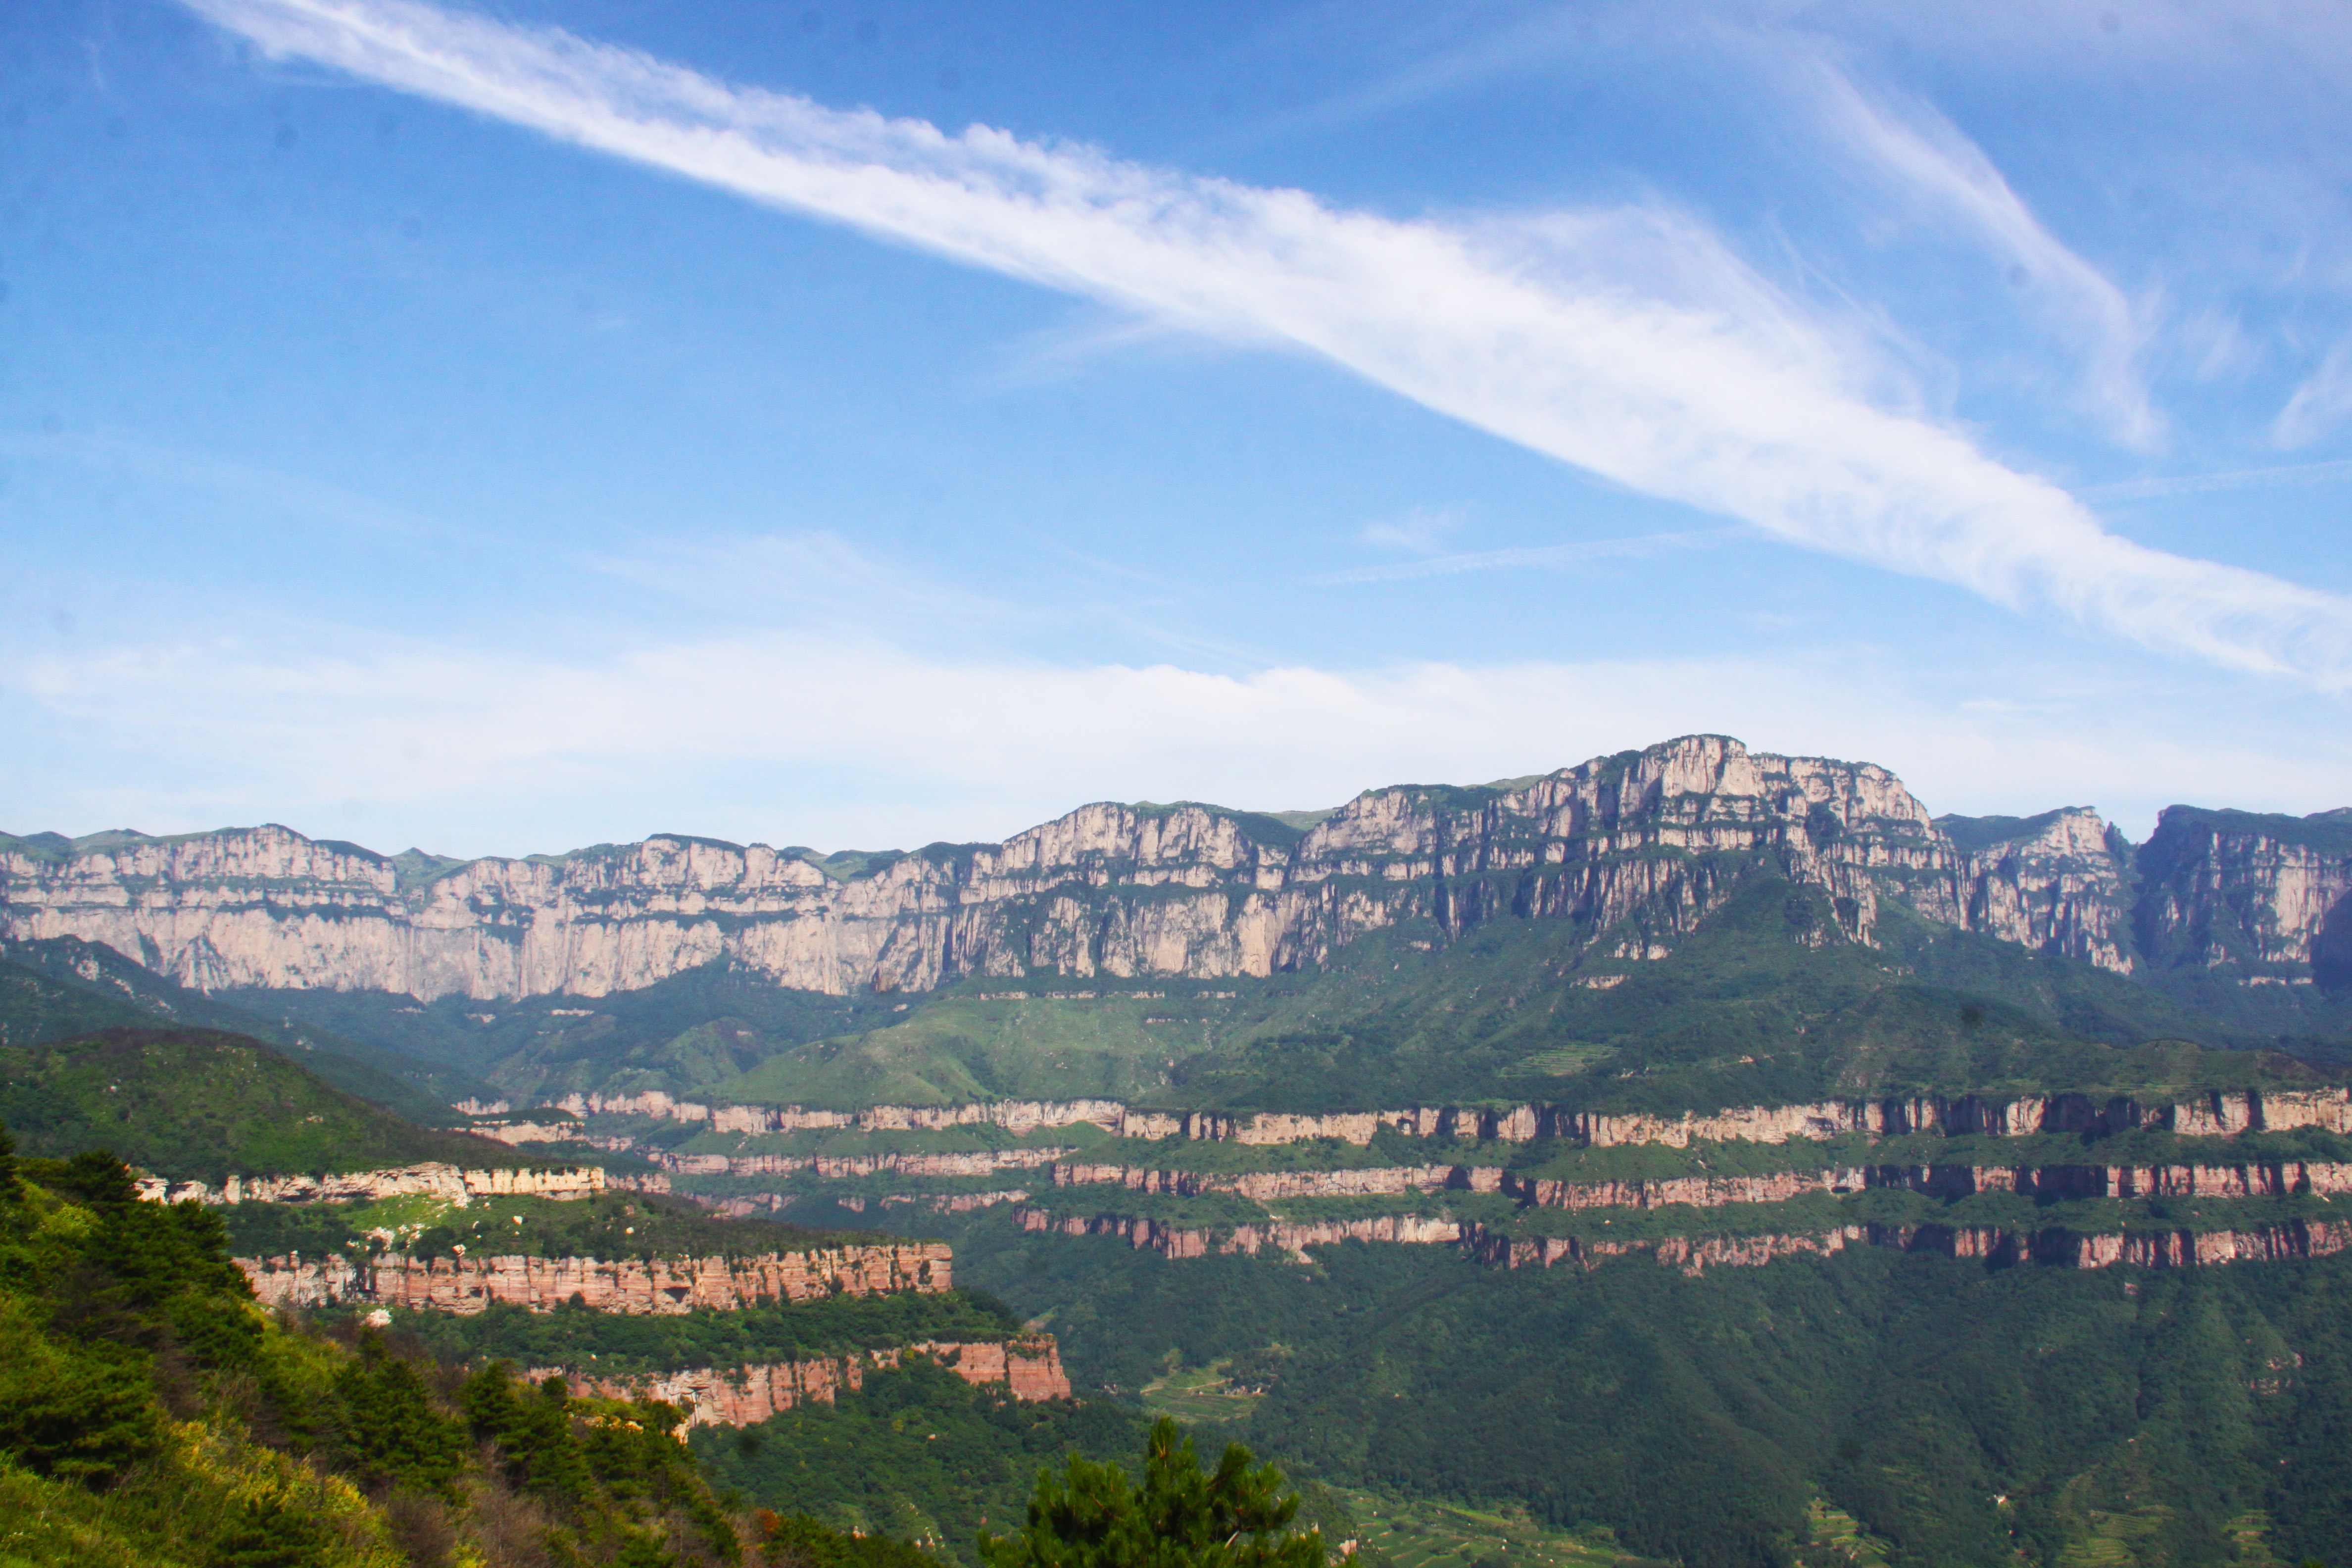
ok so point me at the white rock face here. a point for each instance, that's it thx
(458, 1187)
(2064, 890)
(1635, 849)
(2248, 894)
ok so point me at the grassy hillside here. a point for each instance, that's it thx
(197, 1104)
(62, 986)
(625, 1346)
(957, 1049)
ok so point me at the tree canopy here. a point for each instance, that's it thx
(1093, 1516)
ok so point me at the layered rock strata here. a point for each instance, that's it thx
(1013, 1115)
(458, 1187)
(662, 1286)
(1263, 1187)
(1634, 850)
(2220, 1113)
(2277, 1178)
(1293, 1237)
(1999, 1246)
(1027, 1368)
(2258, 1179)
(842, 1167)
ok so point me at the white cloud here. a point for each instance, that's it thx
(1733, 401)
(872, 743)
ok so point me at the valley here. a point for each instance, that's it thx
(1694, 1155)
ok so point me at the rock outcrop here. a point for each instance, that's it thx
(460, 1187)
(2253, 896)
(1634, 849)
(2060, 883)
(1026, 1368)
(468, 1285)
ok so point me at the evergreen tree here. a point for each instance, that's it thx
(1092, 1516)
(389, 1426)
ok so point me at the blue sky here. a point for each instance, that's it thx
(868, 424)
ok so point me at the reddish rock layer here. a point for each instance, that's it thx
(1028, 1368)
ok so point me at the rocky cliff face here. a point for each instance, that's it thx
(448, 1182)
(1266, 1186)
(2217, 1112)
(2062, 884)
(2265, 899)
(1293, 1237)
(1634, 850)
(1027, 1368)
(2055, 1247)
(664, 1286)
(837, 1167)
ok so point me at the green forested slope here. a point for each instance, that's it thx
(917, 1453)
(150, 1417)
(196, 1104)
(62, 986)
(1969, 1417)
(692, 1029)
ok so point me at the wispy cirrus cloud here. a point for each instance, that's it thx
(2161, 486)
(1552, 557)
(1939, 169)
(2322, 402)
(1728, 397)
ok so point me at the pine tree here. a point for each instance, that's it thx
(1092, 1516)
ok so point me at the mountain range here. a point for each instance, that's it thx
(1634, 849)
